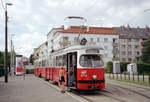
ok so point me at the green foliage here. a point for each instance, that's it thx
(109, 67)
(143, 68)
(123, 67)
(1, 72)
(146, 51)
(29, 71)
(2, 59)
(31, 59)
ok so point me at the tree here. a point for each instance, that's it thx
(2, 59)
(146, 51)
(109, 67)
(31, 59)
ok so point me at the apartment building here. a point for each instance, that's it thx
(104, 37)
(40, 54)
(131, 41)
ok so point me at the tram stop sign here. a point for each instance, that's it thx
(83, 41)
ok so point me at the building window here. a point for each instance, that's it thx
(123, 59)
(98, 39)
(115, 40)
(123, 46)
(123, 40)
(123, 53)
(129, 40)
(136, 46)
(129, 53)
(105, 39)
(91, 39)
(65, 38)
(129, 59)
(129, 46)
(137, 53)
(75, 39)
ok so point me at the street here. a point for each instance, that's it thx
(34, 89)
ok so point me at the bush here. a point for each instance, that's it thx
(109, 67)
(29, 71)
(1, 72)
(143, 68)
(123, 66)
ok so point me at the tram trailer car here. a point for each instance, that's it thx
(84, 67)
(19, 65)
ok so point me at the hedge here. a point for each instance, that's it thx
(109, 67)
(142, 68)
(1, 72)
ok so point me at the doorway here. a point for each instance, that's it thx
(72, 69)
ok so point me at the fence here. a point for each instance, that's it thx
(135, 78)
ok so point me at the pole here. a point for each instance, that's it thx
(6, 47)
(24, 69)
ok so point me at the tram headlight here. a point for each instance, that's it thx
(94, 77)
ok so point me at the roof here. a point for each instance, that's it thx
(126, 32)
(87, 30)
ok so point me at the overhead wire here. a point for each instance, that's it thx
(93, 4)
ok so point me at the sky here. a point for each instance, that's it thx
(30, 20)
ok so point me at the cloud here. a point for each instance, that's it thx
(31, 20)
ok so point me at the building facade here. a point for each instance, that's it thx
(131, 42)
(106, 38)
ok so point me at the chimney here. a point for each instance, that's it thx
(128, 27)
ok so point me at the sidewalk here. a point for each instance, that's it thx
(30, 90)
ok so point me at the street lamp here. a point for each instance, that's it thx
(6, 43)
(12, 51)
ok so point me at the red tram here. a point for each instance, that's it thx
(19, 65)
(84, 66)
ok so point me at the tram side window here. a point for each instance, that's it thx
(64, 60)
(57, 61)
(91, 61)
(54, 62)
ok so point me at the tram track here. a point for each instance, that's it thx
(104, 92)
(138, 93)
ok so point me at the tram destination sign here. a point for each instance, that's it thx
(92, 51)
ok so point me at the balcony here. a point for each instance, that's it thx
(116, 59)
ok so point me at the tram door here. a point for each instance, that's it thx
(72, 69)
